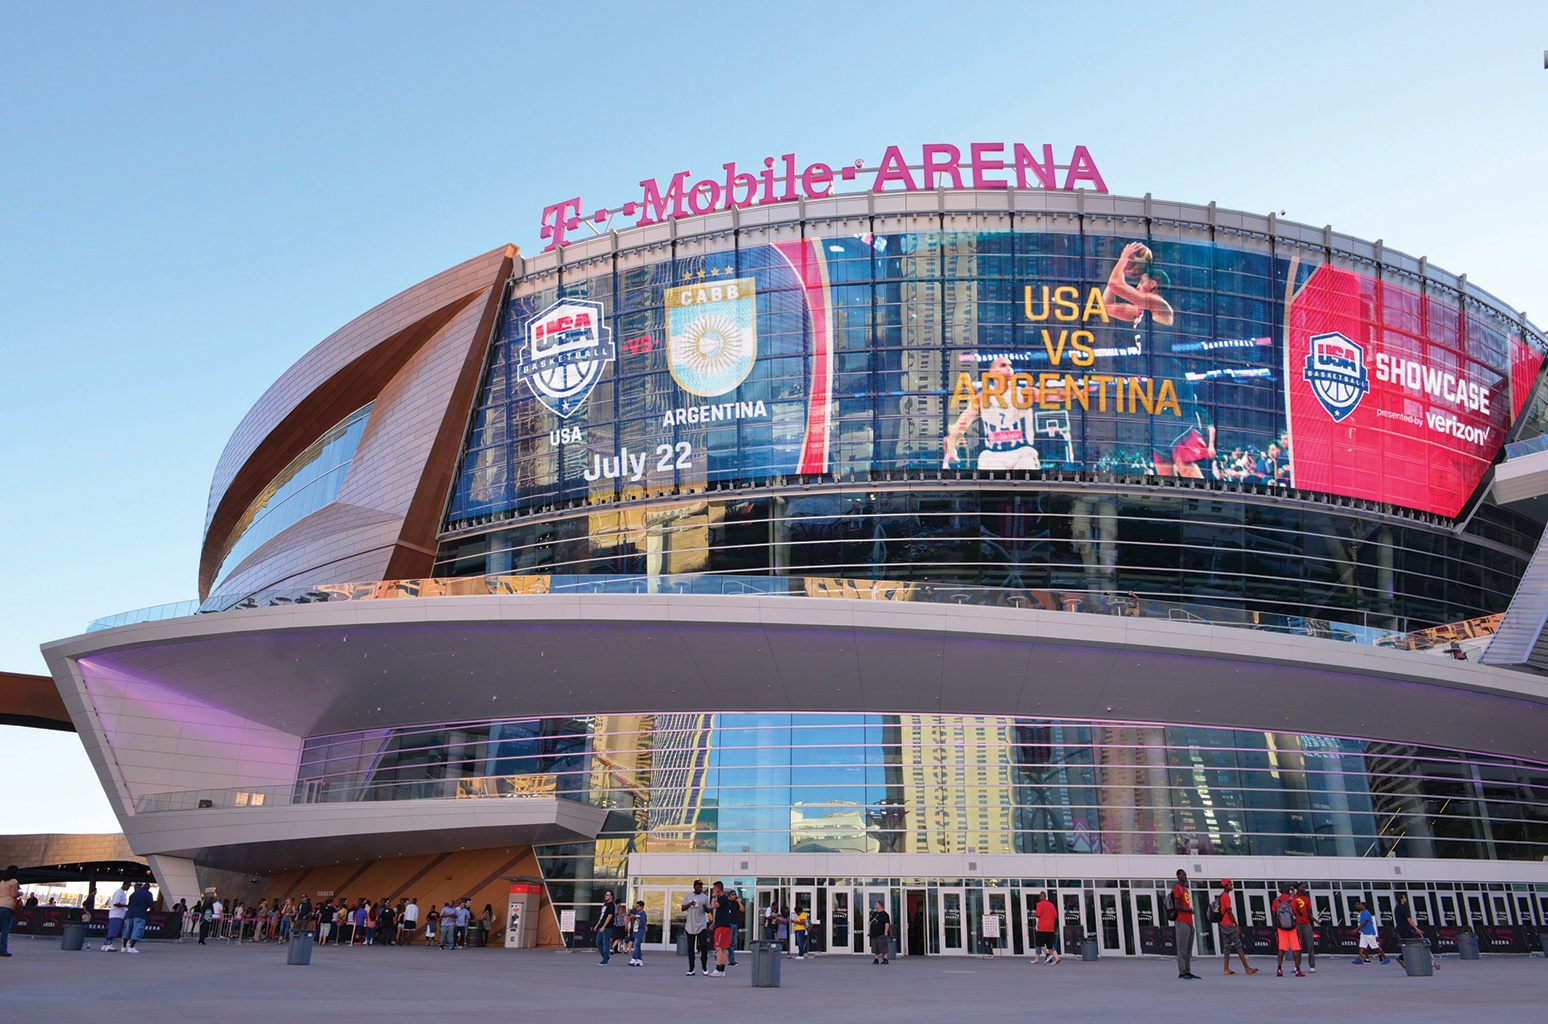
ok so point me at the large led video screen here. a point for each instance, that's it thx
(852, 354)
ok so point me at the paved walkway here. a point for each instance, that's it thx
(234, 984)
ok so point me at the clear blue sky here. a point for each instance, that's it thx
(192, 195)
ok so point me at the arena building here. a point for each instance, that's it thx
(940, 543)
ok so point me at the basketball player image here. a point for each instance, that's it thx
(1128, 301)
(1007, 434)
(1194, 446)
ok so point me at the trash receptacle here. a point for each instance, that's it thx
(73, 936)
(1467, 945)
(683, 947)
(1088, 948)
(299, 949)
(1542, 942)
(477, 936)
(766, 960)
(1416, 958)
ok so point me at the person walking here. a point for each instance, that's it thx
(1181, 912)
(607, 920)
(10, 902)
(880, 931)
(695, 910)
(118, 906)
(1305, 925)
(1368, 937)
(1407, 928)
(1282, 913)
(1047, 931)
(637, 920)
(1230, 934)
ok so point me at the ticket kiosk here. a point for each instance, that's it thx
(521, 915)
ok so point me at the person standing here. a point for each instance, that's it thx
(464, 915)
(607, 920)
(447, 925)
(118, 906)
(696, 925)
(738, 911)
(798, 925)
(1230, 934)
(880, 931)
(1047, 930)
(136, 916)
(1182, 927)
(10, 902)
(637, 920)
(411, 920)
(1282, 913)
(325, 921)
(1305, 925)
(723, 910)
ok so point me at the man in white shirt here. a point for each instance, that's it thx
(118, 906)
(411, 920)
(696, 907)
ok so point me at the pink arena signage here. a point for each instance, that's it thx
(984, 165)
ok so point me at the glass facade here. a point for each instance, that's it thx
(312, 480)
(1225, 551)
(851, 783)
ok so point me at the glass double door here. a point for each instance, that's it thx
(973, 921)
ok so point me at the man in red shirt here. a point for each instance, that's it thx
(1047, 921)
(1301, 907)
(1282, 916)
(1230, 935)
(1182, 904)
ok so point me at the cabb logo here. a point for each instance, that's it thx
(712, 340)
(1335, 369)
(566, 351)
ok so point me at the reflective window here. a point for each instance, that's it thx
(311, 481)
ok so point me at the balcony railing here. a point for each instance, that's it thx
(1075, 601)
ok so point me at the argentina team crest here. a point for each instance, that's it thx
(566, 350)
(1335, 369)
(712, 335)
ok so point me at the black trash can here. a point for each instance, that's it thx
(767, 957)
(1416, 958)
(299, 949)
(1088, 948)
(1467, 945)
(477, 936)
(73, 937)
(683, 945)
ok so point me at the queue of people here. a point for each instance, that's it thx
(345, 922)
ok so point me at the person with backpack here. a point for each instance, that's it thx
(1282, 913)
(1179, 910)
(1222, 912)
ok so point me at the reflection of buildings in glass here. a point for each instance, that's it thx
(677, 540)
(678, 819)
(936, 311)
(1094, 525)
(620, 781)
(837, 827)
(1132, 779)
(957, 783)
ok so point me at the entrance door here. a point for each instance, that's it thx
(953, 923)
(1419, 904)
(1073, 916)
(1524, 915)
(913, 939)
(663, 904)
(840, 924)
(1147, 913)
(1029, 901)
(994, 925)
(1500, 906)
(1448, 909)
(1110, 923)
(1475, 909)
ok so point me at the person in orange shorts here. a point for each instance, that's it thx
(1282, 913)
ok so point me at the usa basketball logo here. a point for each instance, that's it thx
(566, 351)
(1335, 369)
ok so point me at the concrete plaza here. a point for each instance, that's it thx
(228, 983)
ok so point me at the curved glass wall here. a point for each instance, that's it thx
(1285, 558)
(312, 480)
(777, 783)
